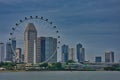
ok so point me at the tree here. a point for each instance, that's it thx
(45, 65)
(58, 65)
(55, 66)
(70, 61)
(8, 65)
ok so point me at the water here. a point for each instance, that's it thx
(61, 75)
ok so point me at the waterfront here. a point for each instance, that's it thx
(61, 75)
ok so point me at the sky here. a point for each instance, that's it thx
(93, 23)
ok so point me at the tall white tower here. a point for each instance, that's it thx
(30, 37)
(72, 54)
(34, 52)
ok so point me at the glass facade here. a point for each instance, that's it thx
(9, 55)
(98, 59)
(51, 49)
(79, 54)
(65, 51)
(109, 56)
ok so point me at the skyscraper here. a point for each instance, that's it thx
(65, 51)
(109, 56)
(71, 54)
(30, 38)
(9, 53)
(22, 58)
(80, 53)
(51, 49)
(13, 48)
(2, 52)
(40, 55)
(18, 55)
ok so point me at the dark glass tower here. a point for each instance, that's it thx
(40, 56)
(109, 56)
(51, 49)
(65, 51)
(9, 55)
(98, 59)
(78, 51)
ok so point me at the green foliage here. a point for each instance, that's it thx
(69, 61)
(8, 65)
(109, 68)
(57, 65)
(115, 67)
(45, 65)
(1, 64)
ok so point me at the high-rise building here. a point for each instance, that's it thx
(40, 55)
(18, 55)
(109, 56)
(13, 47)
(9, 53)
(22, 58)
(65, 51)
(2, 52)
(98, 59)
(80, 53)
(54, 51)
(30, 38)
(51, 49)
(72, 54)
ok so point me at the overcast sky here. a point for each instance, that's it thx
(93, 23)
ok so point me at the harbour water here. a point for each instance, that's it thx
(61, 75)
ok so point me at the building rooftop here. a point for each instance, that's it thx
(30, 27)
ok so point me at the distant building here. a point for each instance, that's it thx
(18, 55)
(40, 55)
(46, 49)
(9, 53)
(98, 59)
(22, 58)
(13, 46)
(80, 53)
(51, 49)
(109, 56)
(2, 52)
(72, 54)
(78, 46)
(30, 38)
(65, 51)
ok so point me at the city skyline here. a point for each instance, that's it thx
(95, 24)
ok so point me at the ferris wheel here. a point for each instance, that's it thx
(44, 27)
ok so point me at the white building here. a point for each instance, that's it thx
(72, 54)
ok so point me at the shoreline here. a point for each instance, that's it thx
(48, 70)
